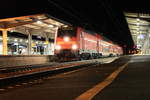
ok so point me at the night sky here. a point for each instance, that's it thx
(102, 16)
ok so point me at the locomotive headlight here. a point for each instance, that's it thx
(58, 47)
(66, 39)
(74, 46)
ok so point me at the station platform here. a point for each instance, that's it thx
(24, 60)
(131, 83)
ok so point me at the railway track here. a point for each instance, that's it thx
(9, 76)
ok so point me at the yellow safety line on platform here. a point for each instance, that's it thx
(88, 95)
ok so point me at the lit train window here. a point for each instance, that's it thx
(66, 32)
(105, 49)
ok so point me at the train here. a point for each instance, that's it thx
(77, 42)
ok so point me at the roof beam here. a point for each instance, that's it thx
(21, 17)
(6, 25)
(134, 24)
(140, 30)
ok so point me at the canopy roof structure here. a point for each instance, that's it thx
(139, 25)
(38, 24)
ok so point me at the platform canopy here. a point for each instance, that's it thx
(139, 25)
(38, 24)
(41, 25)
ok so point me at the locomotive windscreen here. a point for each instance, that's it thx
(66, 32)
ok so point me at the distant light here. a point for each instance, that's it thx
(20, 46)
(21, 40)
(39, 37)
(15, 40)
(16, 44)
(138, 19)
(45, 46)
(46, 42)
(39, 22)
(11, 30)
(141, 36)
(58, 47)
(23, 50)
(138, 24)
(33, 44)
(51, 26)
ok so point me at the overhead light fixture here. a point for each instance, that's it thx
(11, 30)
(141, 36)
(39, 37)
(39, 22)
(51, 26)
(16, 44)
(65, 26)
(138, 19)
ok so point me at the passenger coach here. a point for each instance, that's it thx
(76, 42)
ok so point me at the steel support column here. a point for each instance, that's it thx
(47, 46)
(56, 33)
(29, 42)
(4, 36)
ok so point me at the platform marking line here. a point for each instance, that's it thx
(89, 94)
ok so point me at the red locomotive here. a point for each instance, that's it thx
(76, 42)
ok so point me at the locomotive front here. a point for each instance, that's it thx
(66, 43)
